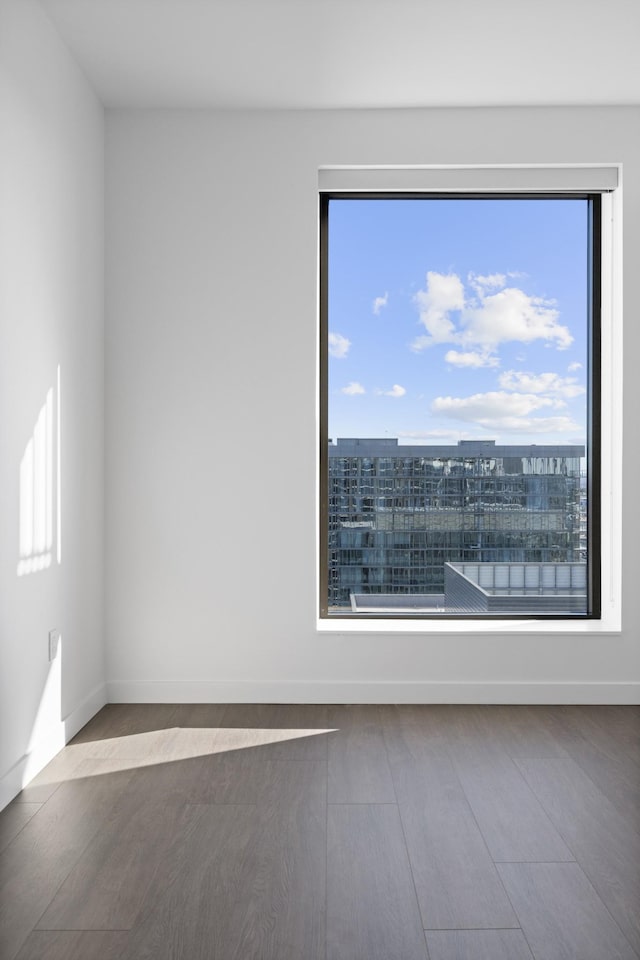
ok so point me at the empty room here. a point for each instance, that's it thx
(319, 613)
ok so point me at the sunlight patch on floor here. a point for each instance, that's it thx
(163, 746)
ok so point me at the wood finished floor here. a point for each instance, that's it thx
(319, 832)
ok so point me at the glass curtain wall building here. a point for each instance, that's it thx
(397, 514)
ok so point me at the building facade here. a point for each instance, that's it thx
(398, 513)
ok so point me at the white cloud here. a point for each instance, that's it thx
(380, 302)
(353, 388)
(444, 293)
(338, 346)
(511, 314)
(482, 407)
(421, 343)
(550, 384)
(506, 412)
(470, 359)
(396, 391)
(491, 282)
(484, 321)
(576, 365)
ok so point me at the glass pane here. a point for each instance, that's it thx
(458, 359)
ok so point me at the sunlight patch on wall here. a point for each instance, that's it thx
(40, 527)
(48, 731)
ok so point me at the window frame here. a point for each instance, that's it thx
(594, 453)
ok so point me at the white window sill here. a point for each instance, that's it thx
(609, 624)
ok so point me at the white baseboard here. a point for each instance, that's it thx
(76, 720)
(41, 753)
(201, 691)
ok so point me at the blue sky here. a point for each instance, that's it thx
(458, 319)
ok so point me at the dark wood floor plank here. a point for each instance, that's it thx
(72, 945)
(284, 913)
(283, 731)
(513, 823)
(208, 715)
(478, 945)
(38, 860)
(434, 720)
(411, 732)
(372, 911)
(520, 730)
(191, 907)
(144, 732)
(561, 914)
(613, 766)
(618, 726)
(13, 818)
(215, 778)
(125, 720)
(431, 719)
(589, 723)
(358, 765)
(456, 880)
(599, 837)
(618, 780)
(410, 737)
(624, 722)
(106, 888)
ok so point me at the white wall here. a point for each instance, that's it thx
(211, 393)
(51, 316)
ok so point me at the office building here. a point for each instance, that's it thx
(398, 514)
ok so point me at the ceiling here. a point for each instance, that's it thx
(274, 54)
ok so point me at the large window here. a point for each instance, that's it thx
(460, 400)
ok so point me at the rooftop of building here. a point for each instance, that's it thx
(407, 603)
(391, 447)
(521, 589)
(508, 578)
